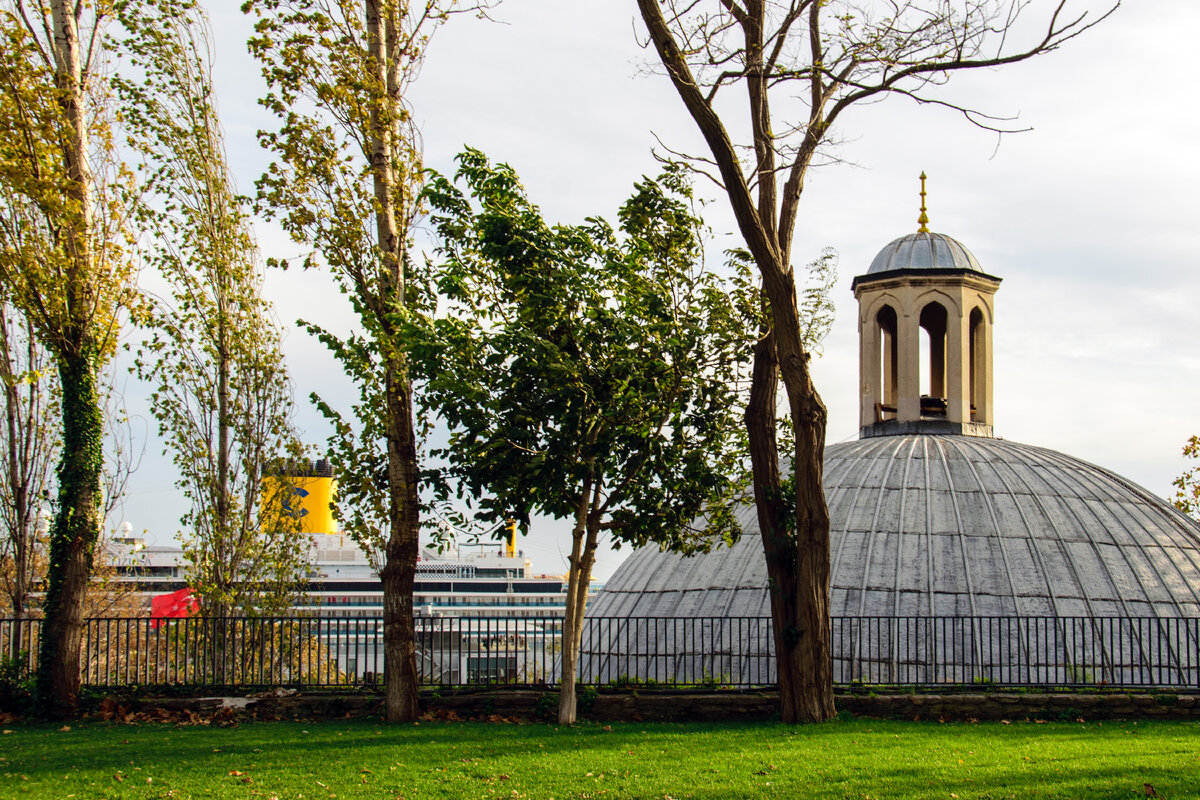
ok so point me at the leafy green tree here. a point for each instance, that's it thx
(346, 181)
(803, 64)
(70, 284)
(584, 373)
(1187, 485)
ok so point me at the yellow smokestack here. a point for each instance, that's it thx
(305, 492)
(510, 544)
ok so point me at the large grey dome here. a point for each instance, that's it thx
(951, 526)
(954, 559)
(924, 251)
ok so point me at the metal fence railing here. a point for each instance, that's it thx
(314, 651)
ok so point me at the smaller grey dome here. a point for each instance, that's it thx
(924, 251)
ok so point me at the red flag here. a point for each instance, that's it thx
(174, 605)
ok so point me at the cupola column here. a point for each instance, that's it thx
(981, 373)
(958, 390)
(908, 381)
(870, 371)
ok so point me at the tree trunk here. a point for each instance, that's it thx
(220, 611)
(806, 623)
(221, 526)
(400, 554)
(19, 470)
(400, 558)
(779, 548)
(583, 555)
(814, 695)
(73, 537)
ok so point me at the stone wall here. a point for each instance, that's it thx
(1020, 706)
(638, 706)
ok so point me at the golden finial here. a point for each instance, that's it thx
(923, 220)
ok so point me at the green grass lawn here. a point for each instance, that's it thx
(353, 759)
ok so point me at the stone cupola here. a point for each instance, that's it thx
(925, 315)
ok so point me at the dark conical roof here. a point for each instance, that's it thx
(951, 526)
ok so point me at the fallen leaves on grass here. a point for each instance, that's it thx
(112, 711)
(450, 715)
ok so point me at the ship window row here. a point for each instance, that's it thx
(435, 600)
(144, 571)
(488, 601)
(520, 613)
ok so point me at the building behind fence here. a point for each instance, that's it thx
(955, 557)
(316, 652)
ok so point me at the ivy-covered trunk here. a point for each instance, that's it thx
(400, 564)
(73, 536)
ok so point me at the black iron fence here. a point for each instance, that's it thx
(913, 651)
(698, 651)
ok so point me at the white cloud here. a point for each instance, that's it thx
(1090, 219)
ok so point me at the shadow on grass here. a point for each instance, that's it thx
(844, 759)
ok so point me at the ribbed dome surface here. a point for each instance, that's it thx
(951, 526)
(924, 251)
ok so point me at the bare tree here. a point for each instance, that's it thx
(802, 64)
(29, 447)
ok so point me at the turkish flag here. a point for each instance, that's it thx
(174, 605)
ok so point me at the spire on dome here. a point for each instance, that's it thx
(923, 220)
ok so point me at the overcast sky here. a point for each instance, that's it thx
(1090, 219)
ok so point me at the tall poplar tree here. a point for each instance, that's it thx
(221, 394)
(346, 181)
(70, 283)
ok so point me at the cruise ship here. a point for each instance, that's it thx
(463, 581)
(481, 614)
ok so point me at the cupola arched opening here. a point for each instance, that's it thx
(889, 362)
(978, 369)
(933, 322)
